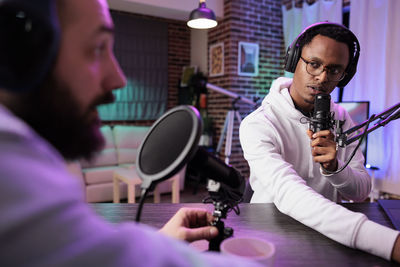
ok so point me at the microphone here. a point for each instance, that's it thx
(225, 182)
(216, 169)
(321, 118)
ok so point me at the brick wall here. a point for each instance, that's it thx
(256, 21)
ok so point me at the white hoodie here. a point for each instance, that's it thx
(282, 171)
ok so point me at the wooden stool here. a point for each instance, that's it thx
(131, 178)
(174, 180)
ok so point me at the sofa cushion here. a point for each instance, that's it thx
(103, 174)
(104, 192)
(127, 141)
(107, 156)
(99, 175)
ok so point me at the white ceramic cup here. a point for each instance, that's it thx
(200, 245)
(252, 248)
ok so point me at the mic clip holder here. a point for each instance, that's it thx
(317, 124)
(222, 205)
(340, 137)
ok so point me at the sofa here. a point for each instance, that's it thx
(121, 145)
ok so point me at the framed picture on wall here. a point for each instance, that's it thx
(216, 55)
(248, 59)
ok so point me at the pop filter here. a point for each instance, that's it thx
(171, 142)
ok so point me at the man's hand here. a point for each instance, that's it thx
(190, 224)
(323, 149)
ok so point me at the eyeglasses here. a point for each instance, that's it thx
(314, 68)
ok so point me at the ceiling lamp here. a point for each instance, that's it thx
(202, 17)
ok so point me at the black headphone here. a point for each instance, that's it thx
(294, 52)
(30, 35)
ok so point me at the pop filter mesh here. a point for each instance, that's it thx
(166, 142)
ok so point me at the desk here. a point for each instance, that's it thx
(296, 244)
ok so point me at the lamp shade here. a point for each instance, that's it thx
(202, 17)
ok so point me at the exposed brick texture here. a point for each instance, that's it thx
(250, 21)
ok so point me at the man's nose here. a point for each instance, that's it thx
(116, 78)
(323, 76)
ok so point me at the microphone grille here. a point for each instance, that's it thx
(322, 102)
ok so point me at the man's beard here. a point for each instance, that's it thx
(54, 113)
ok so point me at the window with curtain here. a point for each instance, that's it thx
(141, 48)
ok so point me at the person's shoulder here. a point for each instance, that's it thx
(257, 116)
(258, 122)
(31, 170)
(24, 154)
(282, 82)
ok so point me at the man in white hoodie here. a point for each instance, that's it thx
(290, 165)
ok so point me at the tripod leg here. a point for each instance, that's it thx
(228, 143)
(221, 137)
(239, 119)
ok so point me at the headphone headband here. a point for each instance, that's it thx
(294, 51)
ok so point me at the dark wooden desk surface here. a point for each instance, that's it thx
(296, 244)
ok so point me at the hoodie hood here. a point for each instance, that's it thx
(280, 100)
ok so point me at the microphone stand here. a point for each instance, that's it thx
(220, 212)
(385, 117)
(229, 119)
(224, 200)
(341, 137)
(228, 130)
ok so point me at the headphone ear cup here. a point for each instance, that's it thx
(351, 70)
(292, 57)
(288, 58)
(29, 46)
